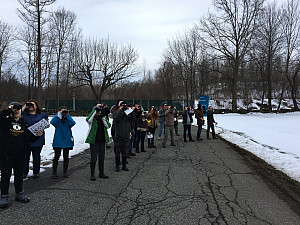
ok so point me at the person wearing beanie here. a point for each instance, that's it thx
(15, 139)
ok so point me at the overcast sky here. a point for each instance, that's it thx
(146, 24)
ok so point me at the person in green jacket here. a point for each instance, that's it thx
(97, 138)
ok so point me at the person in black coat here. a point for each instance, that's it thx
(210, 123)
(187, 122)
(15, 140)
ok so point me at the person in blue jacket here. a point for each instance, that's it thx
(63, 139)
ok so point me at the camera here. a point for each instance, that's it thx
(124, 107)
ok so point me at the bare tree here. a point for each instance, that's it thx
(101, 64)
(230, 32)
(184, 54)
(268, 42)
(62, 25)
(5, 41)
(291, 32)
(31, 14)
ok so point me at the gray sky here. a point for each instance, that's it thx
(146, 24)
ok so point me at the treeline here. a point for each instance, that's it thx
(245, 49)
(50, 56)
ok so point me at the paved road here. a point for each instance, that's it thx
(205, 182)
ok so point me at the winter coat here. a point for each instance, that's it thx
(185, 117)
(142, 123)
(152, 117)
(32, 119)
(210, 117)
(63, 137)
(122, 124)
(15, 136)
(170, 116)
(162, 115)
(93, 126)
(199, 117)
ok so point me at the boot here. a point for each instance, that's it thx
(93, 165)
(54, 173)
(117, 168)
(4, 201)
(124, 167)
(65, 168)
(149, 144)
(21, 197)
(101, 170)
(152, 143)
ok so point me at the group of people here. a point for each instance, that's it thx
(129, 128)
(168, 121)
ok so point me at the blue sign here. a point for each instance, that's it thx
(204, 101)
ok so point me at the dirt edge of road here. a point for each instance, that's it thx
(285, 187)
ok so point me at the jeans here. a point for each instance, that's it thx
(161, 128)
(199, 131)
(140, 138)
(187, 129)
(131, 140)
(210, 125)
(36, 155)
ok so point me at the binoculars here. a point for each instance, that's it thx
(29, 104)
(18, 107)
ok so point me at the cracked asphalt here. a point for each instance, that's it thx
(206, 182)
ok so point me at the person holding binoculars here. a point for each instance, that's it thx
(15, 139)
(62, 140)
(32, 114)
(97, 138)
(169, 114)
(122, 134)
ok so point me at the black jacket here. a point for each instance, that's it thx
(15, 137)
(185, 115)
(210, 117)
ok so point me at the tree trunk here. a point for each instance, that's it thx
(39, 50)
(280, 99)
(269, 80)
(234, 87)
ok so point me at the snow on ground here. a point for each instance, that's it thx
(79, 133)
(253, 104)
(275, 138)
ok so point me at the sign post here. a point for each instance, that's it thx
(204, 101)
